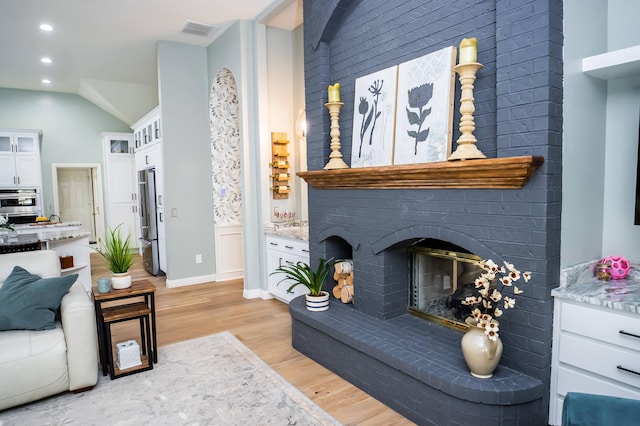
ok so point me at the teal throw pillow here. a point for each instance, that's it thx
(28, 302)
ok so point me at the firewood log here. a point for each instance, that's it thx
(337, 292)
(345, 295)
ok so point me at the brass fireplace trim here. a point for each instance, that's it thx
(456, 325)
(489, 173)
(444, 254)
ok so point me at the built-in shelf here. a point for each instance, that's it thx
(74, 268)
(614, 64)
(489, 173)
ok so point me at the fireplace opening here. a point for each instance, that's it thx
(440, 278)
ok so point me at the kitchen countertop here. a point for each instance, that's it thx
(44, 225)
(299, 231)
(579, 284)
(43, 236)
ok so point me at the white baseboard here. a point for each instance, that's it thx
(181, 282)
(255, 293)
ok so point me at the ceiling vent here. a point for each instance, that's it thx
(202, 30)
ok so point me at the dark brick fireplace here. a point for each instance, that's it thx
(412, 365)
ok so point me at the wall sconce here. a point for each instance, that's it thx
(301, 124)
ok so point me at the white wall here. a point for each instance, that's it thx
(280, 88)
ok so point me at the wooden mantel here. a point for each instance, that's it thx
(489, 173)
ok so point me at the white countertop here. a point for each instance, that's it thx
(29, 227)
(46, 232)
(579, 284)
(299, 231)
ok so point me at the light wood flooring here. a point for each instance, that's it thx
(264, 326)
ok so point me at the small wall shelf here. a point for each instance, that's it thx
(490, 173)
(614, 64)
(280, 166)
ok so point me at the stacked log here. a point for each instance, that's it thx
(344, 276)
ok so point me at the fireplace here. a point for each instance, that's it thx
(414, 366)
(439, 281)
(382, 219)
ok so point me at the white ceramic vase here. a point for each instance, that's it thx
(481, 354)
(318, 303)
(120, 281)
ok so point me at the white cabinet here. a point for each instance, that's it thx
(595, 350)
(285, 251)
(20, 159)
(121, 184)
(147, 131)
(149, 158)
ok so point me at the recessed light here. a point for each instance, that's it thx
(46, 81)
(46, 27)
(45, 60)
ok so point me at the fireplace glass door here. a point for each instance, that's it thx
(439, 281)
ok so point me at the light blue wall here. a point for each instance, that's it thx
(183, 93)
(623, 19)
(583, 143)
(600, 136)
(620, 235)
(71, 127)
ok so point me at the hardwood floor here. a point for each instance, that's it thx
(264, 326)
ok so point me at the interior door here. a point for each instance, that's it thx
(75, 197)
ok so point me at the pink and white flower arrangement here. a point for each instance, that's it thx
(490, 301)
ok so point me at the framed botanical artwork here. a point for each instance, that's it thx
(373, 119)
(424, 113)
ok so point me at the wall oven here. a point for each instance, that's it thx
(21, 205)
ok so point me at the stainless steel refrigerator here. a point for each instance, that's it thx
(148, 221)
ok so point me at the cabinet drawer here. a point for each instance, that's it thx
(611, 327)
(297, 247)
(572, 380)
(600, 358)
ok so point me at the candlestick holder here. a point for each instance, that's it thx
(335, 158)
(467, 149)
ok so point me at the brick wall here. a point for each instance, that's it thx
(518, 98)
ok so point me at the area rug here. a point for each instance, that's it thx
(212, 380)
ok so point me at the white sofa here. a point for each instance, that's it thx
(37, 364)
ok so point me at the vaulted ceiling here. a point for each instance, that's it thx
(105, 51)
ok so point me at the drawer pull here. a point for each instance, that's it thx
(274, 244)
(626, 333)
(619, 367)
(289, 247)
(288, 262)
(305, 250)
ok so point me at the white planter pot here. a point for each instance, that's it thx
(318, 303)
(120, 281)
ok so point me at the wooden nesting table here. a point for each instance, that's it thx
(134, 303)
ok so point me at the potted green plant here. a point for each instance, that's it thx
(302, 274)
(118, 255)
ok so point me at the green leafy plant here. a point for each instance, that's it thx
(4, 222)
(117, 252)
(302, 274)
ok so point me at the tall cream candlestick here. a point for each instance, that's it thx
(467, 149)
(335, 158)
